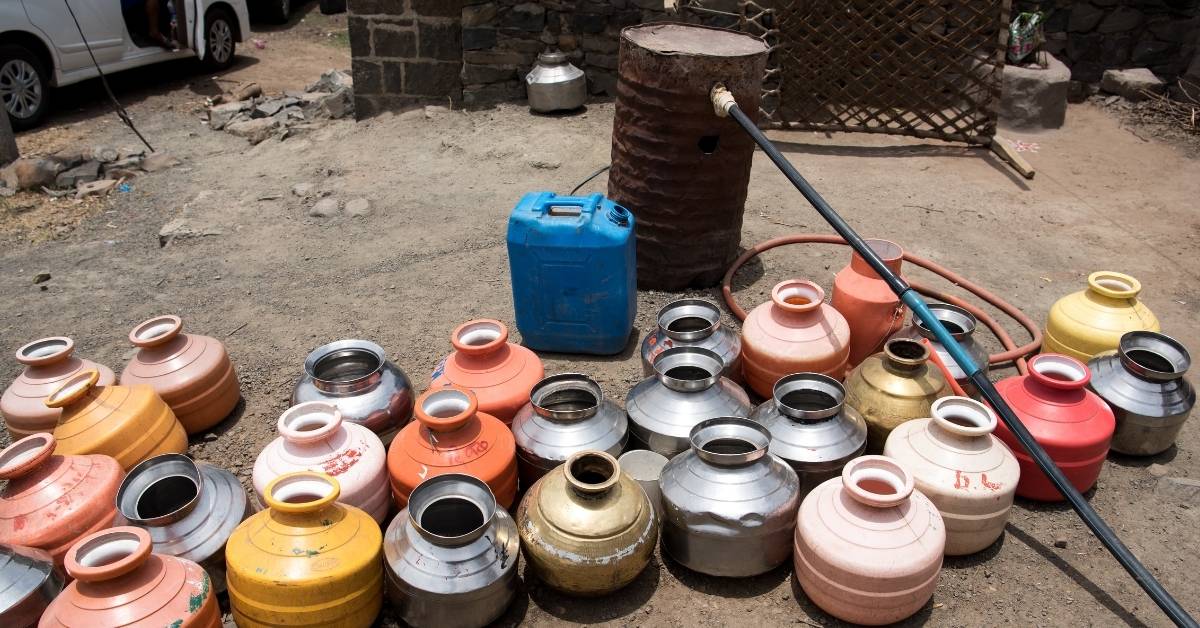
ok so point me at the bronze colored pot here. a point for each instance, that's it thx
(586, 528)
(892, 387)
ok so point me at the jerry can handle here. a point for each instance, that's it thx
(552, 205)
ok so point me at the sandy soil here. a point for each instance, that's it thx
(276, 283)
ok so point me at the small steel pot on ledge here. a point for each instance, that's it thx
(357, 377)
(188, 507)
(555, 85)
(693, 323)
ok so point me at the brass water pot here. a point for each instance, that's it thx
(897, 385)
(586, 527)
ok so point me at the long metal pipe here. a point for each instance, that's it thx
(725, 105)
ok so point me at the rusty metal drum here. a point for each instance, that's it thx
(679, 168)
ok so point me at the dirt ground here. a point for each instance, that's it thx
(273, 283)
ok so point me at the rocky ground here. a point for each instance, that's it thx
(393, 230)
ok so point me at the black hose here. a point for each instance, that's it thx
(590, 177)
(1140, 574)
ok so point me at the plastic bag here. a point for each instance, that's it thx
(1024, 35)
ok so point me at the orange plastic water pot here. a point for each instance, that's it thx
(795, 332)
(129, 423)
(451, 435)
(500, 373)
(47, 362)
(871, 309)
(192, 373)
(52, 501)
(119, 582)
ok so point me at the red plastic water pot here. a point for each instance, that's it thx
(500, 373)
(1071, 423)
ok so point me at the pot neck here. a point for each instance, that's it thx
(447, 409)
(688, 369)
(156, 331)
(962, 417)
(905, 356)
(310, 422)
(889, 252)
(26, 455)
(451, 510)
(1058, 372)
(1153, 356)
(566, 397)
(46, 351)
(302, 494)
(1113, 286)
(809, 397)
(75, 389)
(592, 474)
(346, 367)
(160, 491)
(108, 554)
(481, 339)
(797, 297)
(960, 323)
(689, 320)
(730, 441)
(877, 482)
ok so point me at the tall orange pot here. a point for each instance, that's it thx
(871, 309)
(500, 373)
(129, 423)
(119, 582)
(192, 373)
(52, 501)
(795, 332)
(47, 362)
(451, 435)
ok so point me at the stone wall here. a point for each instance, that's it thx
(1095, 35)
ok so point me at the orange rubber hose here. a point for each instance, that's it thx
(1012, 352)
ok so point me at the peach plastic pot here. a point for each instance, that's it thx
(313, 437)
(450, 435)
(969, 474)
(119, 582)
(129, 423)
(52, 501)
(868, 545)
(795, 332)
(871, 309)
(47, 362)
(192, 373)
(500, 373)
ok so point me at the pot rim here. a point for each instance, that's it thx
(695, 357)
(446, 409)
(349, 345)
(324, 488)
(809, 381)
(1162, 345)
(326, 416)
(108, 554)
(684, 308)
(980, 417)
(449, 486)
(565, 381)
(803, 288)
(592, 457)
(156, 331)
(25, 455)
(730, 428)
(1072, 374)
(46, 351)
(1114, 285)
(479, 337)
(889, 253)
(947, 313)
(72, 389)
(179, 465)
(877, 469)
(892, 353)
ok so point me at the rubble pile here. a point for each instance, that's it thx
(250, 114)
(81, 170)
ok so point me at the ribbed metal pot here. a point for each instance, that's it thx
(729, 505)
(687, 388)
(811, 428)
(693, 323)
(566, 414)
(586, 527)
(451, 556)
(357, 377)
(555, 85)
(29, 581)
(189, 508)
(961, 324)
(1144, 384)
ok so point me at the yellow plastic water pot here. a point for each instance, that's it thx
(1092, 321)
(305, 560)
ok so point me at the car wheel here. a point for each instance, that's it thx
(220, 40)
(278, 11)
(24, 86)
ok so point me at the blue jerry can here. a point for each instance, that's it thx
(574, 274)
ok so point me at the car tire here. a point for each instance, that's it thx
(24, 86)
(277, 11)
(220, 39)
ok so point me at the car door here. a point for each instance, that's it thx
(101, 21)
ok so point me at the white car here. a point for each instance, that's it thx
(40, 46)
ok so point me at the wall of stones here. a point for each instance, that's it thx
(1091, 36)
